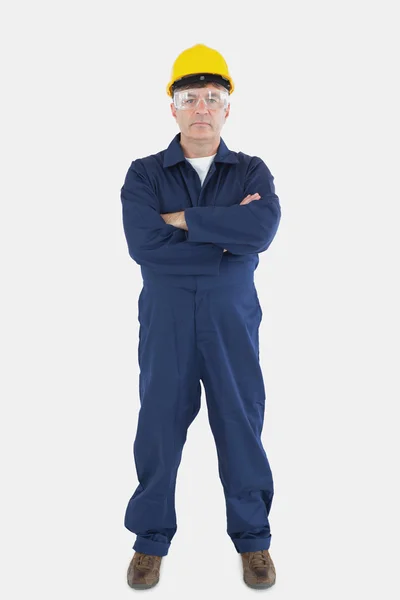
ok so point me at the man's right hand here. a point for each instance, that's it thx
(250, 197)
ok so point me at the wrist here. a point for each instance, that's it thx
(182, 220)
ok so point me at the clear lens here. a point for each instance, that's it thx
(190, 99)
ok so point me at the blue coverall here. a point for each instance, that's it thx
(199, 316)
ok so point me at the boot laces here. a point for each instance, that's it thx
(258, 559)
(145, 561)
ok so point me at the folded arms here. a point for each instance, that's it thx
(168, 249)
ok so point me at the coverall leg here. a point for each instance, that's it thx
(228, 316)
(196, 328)
(170, 391)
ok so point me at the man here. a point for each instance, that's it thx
(195, 217)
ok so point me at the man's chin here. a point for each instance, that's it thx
(199, 133)
(200, 130)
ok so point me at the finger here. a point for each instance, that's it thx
(250, 200)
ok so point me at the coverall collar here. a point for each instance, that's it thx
(174, 153)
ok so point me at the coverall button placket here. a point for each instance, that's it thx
(191, 182)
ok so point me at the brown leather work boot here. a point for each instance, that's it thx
(258, 569)
(144, 571)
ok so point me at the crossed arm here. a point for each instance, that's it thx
(177, 219)
(192, 241)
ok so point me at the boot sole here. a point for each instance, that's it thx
(260, 586)
(142, 586)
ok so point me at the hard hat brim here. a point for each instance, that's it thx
(195, 78)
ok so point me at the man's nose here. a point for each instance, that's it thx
(202, 106)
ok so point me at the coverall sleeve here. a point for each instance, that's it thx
(240, 228)
(154, 243)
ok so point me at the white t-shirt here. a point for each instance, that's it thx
(201, 165)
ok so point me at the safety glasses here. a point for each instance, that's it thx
(190, 99)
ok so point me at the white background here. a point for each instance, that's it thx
(84, 95)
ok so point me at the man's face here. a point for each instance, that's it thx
(201, 122)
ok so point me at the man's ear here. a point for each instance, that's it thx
(173, 109)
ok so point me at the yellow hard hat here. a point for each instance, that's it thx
(200, 63)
